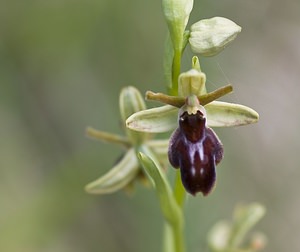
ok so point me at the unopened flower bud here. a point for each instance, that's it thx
(177, 14)
(208, 37)
(131, 101)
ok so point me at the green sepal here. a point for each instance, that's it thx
(107, 137)
(117, 177)
(224, 114)
(154, 120)
(219, 114)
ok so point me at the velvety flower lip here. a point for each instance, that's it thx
(196, 150)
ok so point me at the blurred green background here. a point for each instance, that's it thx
(62, 65)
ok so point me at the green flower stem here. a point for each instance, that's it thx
(176, 232)
(168, 244)
(185, 40)
(167, 62)
(178, 236)
(173, 238)
(172, 62)
(175, 71)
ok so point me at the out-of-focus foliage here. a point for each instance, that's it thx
(62, 65)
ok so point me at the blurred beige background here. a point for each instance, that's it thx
(62, 64)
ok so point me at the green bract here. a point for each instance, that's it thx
(208, 37)
(128, 168)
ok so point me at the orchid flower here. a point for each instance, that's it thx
(194, 147)
(127, 169)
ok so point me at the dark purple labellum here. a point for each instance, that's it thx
(196, 149)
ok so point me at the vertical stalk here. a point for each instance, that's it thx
(175, 71)
(168, 238)
(179, 237)
(178, 230)
(174, 232)
(173, 236)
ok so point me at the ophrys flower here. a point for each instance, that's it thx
(194, 147)
(124, 172)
